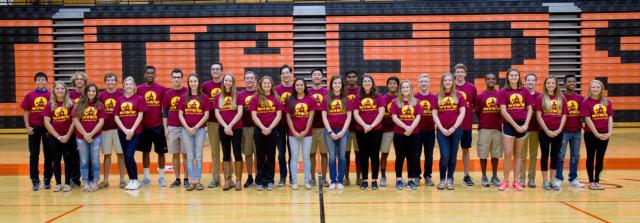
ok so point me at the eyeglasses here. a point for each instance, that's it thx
(179, 77)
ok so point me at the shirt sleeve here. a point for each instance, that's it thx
(26, 104)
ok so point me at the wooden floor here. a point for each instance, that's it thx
(620, 201)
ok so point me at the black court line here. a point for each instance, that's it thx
(321, 199)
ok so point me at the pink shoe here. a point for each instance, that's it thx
(516, 185)
(503, 186)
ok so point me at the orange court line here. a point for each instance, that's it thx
(63, 214)
(584, 212)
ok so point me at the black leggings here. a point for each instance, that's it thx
(369, 144)
(61, 151)
(596, 148)
(545, 142)
(227, 141)
(406, 147)
(265, 156)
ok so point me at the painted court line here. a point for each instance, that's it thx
(63, 214)
(584, 212)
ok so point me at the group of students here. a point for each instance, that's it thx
(76, 125)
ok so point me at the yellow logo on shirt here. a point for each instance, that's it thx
(247, 101)
(426, 107)
(193, 107)
(301, 110)
(554, 107)
(367, 104)
(267, 106)
(336, 106)
(599, 112)
(226, 103)
(516, 101)
(109, 105)
(284, 96)
(491, 105)
(38, 104)
(387, 111)
(126, 109)
(60, 114)
(351, 97)
(90, 114)
(448, 104)
(407, 113)
(214, 93)
(573, 107)
(319, 98)
(151, 99)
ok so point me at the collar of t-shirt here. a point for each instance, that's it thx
(42, 91)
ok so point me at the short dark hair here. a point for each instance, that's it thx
(221, 67)
(177, 70)
(485, 76)
(40, 74)
(316, 69)
(351, 72)
(570, 76)
(149, 67)
(285, 67)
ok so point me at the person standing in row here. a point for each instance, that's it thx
(33, 106)
(152, 129)
(469, 93)
(532, 142)
(193, 114)
(571, 134)
(284, 90)
(336, 116)
(110, 140)
(248, 145)
(88, 119)
(368, 115)
(515, 107)
(448, 116)
(266, 112)
(489, 135)
(129, 112)
(427, 130)
(597, 112)
(228, 111)
(352, 89)
(405, 113)
(318, 143)
(79, 82)
(173, 127)
(300, 109)
(551, 113)
(212, 88)
(57, 120)
(387, 127)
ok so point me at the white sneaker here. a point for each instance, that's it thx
(162, 182)
(145, 181)
(135, 185)
(294, 186)
(576, 183)
(332, 186)
(340, 186)
(128, 187)
(307, 186)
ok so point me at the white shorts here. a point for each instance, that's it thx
(110, 140)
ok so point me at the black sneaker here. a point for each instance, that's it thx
(412, 185)
(75, 183)
(175, 184)
(36, 185)
(249, 182)
(374, 185)
(185, 183)
(47, 184)
(363, 185)
(467, 181)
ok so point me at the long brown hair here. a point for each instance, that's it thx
(441, 91)
(198, 89)
(331, 95)
(85, 101)
(546, 101)
(506, 83)
(373, 92)
(260, 91)
(223, 93)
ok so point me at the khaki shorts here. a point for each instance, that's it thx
(489, 141)
(110, 140)
(318, 141)
(174, 144)
(352, 141)
(248, 145)
(387, 140)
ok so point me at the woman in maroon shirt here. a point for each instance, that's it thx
(551, 114)
(515, 107)
(228, 111)
(368, 114)
(88, 118)
(128, 115)
(300, 111)
(405, 113)
(193, 114)
(597, 112)
(57, 120)
(336, 116)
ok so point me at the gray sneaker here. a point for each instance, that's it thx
(495, 181)
(576, 183)
(281, 183)
(555, 184)
(428, 181)
(162, 182)
(416, 181)
(546, 185)
(312, 182)
(270, 186)
(532, 183)
(485, 181)
(213, 184)
(383, 182)
(145, 181)
(450, 184)
(324, 183)
(259, 187)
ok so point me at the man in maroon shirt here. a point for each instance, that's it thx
(284, 90)
(173, 127)
(318, 92)
(248, 145)
(489, 126)
(352, 92)
(33, 105)
(110, 139)
(212, 88)
(152, 128)
(469, 93)
(571, 134)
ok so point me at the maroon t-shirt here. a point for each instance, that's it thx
(426, 102)
(598, 113)
(266, 111)
(533, 124)
(449, 110)
(193, 109)
(34, 102)
(245, 97)
(368, 110)
(574, 101)
(89, 118)
(211, 89)
(227, 111)
(75, 95)
(553, 116)
(469, 93)
(387, 122)
(109, 101)
(301, 112)
(516, 102)
(488, 110)
(152, 96)
(60, 118)
(336, 111)
(352, 94)
(170, 102)
(319, 96)
(284, 93)
(407, 114)
(127, 110)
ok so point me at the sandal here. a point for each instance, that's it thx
(199, 186)
(104, 184)
(600, 187)
(122, 184)
(592, 186)
(190, 187)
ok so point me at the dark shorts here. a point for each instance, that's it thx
(465, 142)
(153, 136)
(508, 130)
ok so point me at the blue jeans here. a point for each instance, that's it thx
(448, 153)
(193, 148)
(572, 138)
(89, 153)
(296, 146)
(129, 150)
(336, 147)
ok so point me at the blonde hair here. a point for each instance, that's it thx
(224, 93)
(603, 99)
(546, 101)
(79, 76)
(441, 91)
(66, 101)
(127, 79)
(423, 75)
(400, 100)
